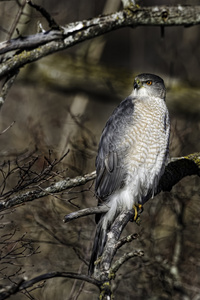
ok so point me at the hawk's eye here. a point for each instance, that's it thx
(149, 82)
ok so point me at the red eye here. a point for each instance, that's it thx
(149, 82)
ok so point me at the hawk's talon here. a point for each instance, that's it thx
(137, 207)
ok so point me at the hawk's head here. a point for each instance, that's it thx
(149, 85)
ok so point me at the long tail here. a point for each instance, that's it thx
(103, 227)
(99, 243)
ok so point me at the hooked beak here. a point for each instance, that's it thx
(137, 84)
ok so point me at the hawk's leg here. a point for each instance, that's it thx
(137, 207)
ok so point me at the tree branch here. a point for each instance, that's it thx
(179, 168)
(111, 244)
(7, 86)
(176, 170)
(127, 239)
(55, 188)
(7, 291)
(115, 267)
(73, 33)
(104, 272)
(86, 212)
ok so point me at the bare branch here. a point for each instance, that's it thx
(31, 41)
(127, 239)
(77, 32)
(179, 168)
(103, 270)
(115, 267)
(55, 188)
(85, 212)
(110, 247)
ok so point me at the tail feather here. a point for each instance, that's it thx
(103, 227)
(98, 246)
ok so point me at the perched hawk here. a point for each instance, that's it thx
(132, 153)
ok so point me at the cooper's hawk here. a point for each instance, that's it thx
(132, 153)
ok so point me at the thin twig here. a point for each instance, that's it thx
(5, 130)
(17, 18)
(127, 239)
(45, 14)
(115, 267)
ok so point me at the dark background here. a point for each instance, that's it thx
(62, 102)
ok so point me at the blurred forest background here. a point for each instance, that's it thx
(61, 103)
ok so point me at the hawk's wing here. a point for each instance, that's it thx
(113, 146)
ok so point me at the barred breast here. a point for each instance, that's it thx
(146, 157)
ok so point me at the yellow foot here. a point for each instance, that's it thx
(136, 208)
